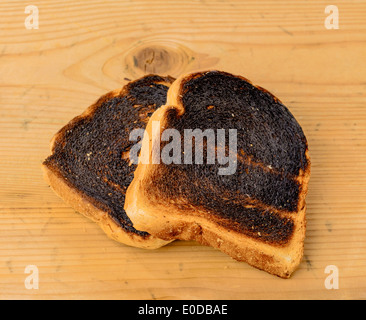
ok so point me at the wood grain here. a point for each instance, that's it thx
(84, 49)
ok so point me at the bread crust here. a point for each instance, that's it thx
(86, 205)
(167, 221)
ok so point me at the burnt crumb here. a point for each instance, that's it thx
(308, 263)
(329, 226)
(89, 155)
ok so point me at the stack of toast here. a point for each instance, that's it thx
(238, 185)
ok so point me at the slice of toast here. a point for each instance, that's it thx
(255, 214)
(90, 167)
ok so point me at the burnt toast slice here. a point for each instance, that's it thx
(90, 167)
(257, 213)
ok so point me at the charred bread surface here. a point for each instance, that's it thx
(89, 167)
(255, 215)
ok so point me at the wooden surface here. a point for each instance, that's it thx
(84, 49)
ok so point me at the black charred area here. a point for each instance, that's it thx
(265, 225)
(266, 132)
(90, 153)
(234, 210)
(266, 128)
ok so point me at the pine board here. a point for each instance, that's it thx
(84, 49)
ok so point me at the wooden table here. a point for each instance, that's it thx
(87, 48)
